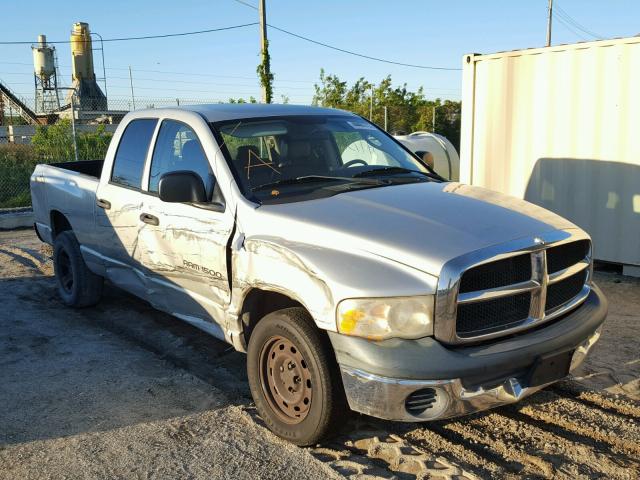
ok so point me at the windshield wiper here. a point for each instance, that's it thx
(316, 178)
(390, 170)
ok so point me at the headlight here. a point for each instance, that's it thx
(380, 318)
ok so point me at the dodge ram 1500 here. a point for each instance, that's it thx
(351, 273)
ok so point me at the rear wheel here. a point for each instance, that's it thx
(77, 285)
(294, 377)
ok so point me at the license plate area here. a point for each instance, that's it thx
(549, 369)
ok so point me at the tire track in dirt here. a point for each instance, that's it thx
(544, 451)
(606, 402)
(546, 436)
(374, 451)
(574, 431)
(466, 445)
(578, 419)
(478, 433)
(453, 447)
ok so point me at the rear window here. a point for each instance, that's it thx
(128, 165)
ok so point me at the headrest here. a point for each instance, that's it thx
(191, 150)
(299, 149)
(243, 153)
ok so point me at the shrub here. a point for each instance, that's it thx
(52, 143)
(55, 143)
(16, 166)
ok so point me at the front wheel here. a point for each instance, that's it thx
(294, 377)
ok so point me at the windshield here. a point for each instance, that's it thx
(289, 157)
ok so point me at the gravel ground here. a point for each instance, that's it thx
(123, 391)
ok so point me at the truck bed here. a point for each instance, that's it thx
(70, 189)
(92, 168)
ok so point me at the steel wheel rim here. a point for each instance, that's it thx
(285, 379)
(65, 272)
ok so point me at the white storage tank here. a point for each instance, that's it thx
(43, 59)
(560, 127)
(436, 150)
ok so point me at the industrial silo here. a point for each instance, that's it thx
(88, 94)
(45, 76)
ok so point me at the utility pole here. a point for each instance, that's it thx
(433, 118)
(73, 119)
(133, 98)
(385, 119)
(104, 70)
(73, 126)
(371, 106)
(549, 17)
(262, 13)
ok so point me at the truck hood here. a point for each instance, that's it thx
(422, 225)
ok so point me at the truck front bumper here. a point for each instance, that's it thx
(433, 381)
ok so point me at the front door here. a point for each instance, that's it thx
(183, 246)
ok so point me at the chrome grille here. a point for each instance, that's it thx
(540, 279)
(497, 274)
(563, 291)
(563, 256)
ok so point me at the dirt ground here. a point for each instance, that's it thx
(123, 391)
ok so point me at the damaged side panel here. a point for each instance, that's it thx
(263, 263)
(185, 259)
(116, 238)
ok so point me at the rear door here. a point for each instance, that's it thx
(182, 246)
(119, 201)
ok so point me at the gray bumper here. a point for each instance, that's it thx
(379, 376)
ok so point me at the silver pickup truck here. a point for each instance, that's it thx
(351, 274)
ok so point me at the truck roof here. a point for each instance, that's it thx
(217, 112)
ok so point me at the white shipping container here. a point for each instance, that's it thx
(560, 127)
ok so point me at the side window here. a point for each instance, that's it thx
(128, 165)
(178, 148)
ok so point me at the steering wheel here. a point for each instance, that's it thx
(353, 162)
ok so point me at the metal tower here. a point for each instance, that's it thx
(45, 77)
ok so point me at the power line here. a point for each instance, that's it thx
(247, 4)
(192, 74)
(332, 47)
(425, 67)
(203, 74)
(568, 26)
(146, 37)
(446, 91)
(162, 80)
(189, 74)
(577, 25)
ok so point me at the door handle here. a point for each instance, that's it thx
(102, 203)
(150, 219)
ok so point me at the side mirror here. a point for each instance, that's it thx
(181, 187)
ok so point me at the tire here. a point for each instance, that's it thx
(283, 338)
(77, 285)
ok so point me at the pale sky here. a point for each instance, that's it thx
(216, 66)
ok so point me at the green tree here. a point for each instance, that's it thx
(242, 100)
(407, 111)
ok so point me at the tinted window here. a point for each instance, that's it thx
(132, 151)
(177, 148)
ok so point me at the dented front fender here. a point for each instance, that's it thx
(318, 277)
